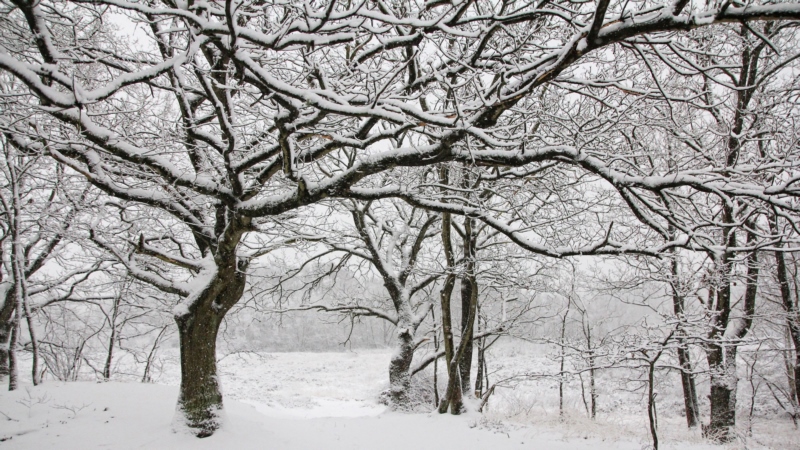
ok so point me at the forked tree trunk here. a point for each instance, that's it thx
(723, 383)
(722, 354)
(200, 399)
(397, 285)
(469, 296)
(454, 395)
(447, 323)
(465, 364)
(151, 356)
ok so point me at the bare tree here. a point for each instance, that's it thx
(233, 114)
(394, 240)
(41, 213)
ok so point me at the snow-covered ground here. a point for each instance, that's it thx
(130, 415)
(299, 401)
(302, 384)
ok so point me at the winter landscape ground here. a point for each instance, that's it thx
(329, 400)
(410, 224)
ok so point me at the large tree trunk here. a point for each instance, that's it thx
(723, 382)
(469, 295)
(399, 368)
(447, 323)
(722, 360)
(200, 398)
(722, 354)
(689, 389)
(722, 350)
(465, 364)
(454, 395)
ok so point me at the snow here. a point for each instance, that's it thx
(306, 400)
(85, 415)
(286, 401)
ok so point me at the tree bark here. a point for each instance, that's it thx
(469, 297)
(465, 363)
(722, 350)
(651, 404)
(112, 340)
(684, 357)
(6, 314)
(399, 367)
(722, 354)
(592, 387)
(447, 321)
(200, 398)
(13, 371)
(562, 359)
(723, 394)
(454, 395)
(481, 343)
(790, 306)
(689, 389)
